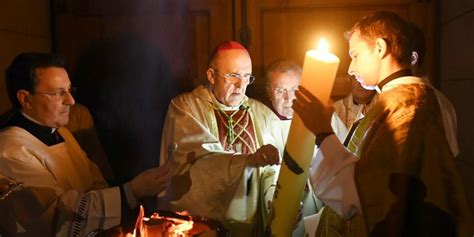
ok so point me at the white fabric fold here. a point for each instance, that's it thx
(332, 177)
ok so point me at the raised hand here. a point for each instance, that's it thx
(314, 114)
(151, 182)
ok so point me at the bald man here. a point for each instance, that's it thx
(218, 143)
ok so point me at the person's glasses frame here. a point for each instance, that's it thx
(280, 91)
(233, 78)
(59, 94)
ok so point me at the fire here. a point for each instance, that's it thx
(157, 225)
(323, 45)
(179, 227)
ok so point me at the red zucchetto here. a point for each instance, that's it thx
(228, 45)
(224, 46)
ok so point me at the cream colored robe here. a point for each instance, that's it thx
(207, 180)
(349, 112)
(64, 194)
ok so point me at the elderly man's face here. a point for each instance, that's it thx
(365, 65)
(50, 103)
(282, 91)
(231, 91)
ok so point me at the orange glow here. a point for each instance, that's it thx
(167, 226)
(322, 53)
(181, 226)
(138, 223)
(323, 45)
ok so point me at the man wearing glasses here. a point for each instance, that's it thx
(282, 78)
(60, 191)
(217, 143)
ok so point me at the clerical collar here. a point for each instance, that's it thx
(37, 122)
(47, 135)
(281, 117)
(401, 73)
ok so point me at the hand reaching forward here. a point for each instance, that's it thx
(314, 114)
(151, 182)
(265, 155)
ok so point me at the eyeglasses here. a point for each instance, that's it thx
(280, 91)
(60, 94)
(233, 78)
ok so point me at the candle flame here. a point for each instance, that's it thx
(322, 53)
(323, 45)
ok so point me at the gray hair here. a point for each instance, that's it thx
(281, 66)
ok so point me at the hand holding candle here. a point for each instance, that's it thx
(315, 115)
(319, 72)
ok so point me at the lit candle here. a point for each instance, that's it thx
(319, 71)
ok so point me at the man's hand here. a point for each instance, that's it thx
(314, 114)
(265, 155)
(151, 182)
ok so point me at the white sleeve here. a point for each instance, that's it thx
(332, 177)
(338, 127)
(448, 114)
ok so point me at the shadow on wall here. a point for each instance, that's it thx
(127, 85)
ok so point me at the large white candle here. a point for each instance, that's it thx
(319, 72)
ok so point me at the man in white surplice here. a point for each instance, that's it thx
(55, 189)
(217, 143)
(282, 78)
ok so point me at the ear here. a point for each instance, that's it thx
(381, 47)
(211, 76)
(24, 97)
(414, 58)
